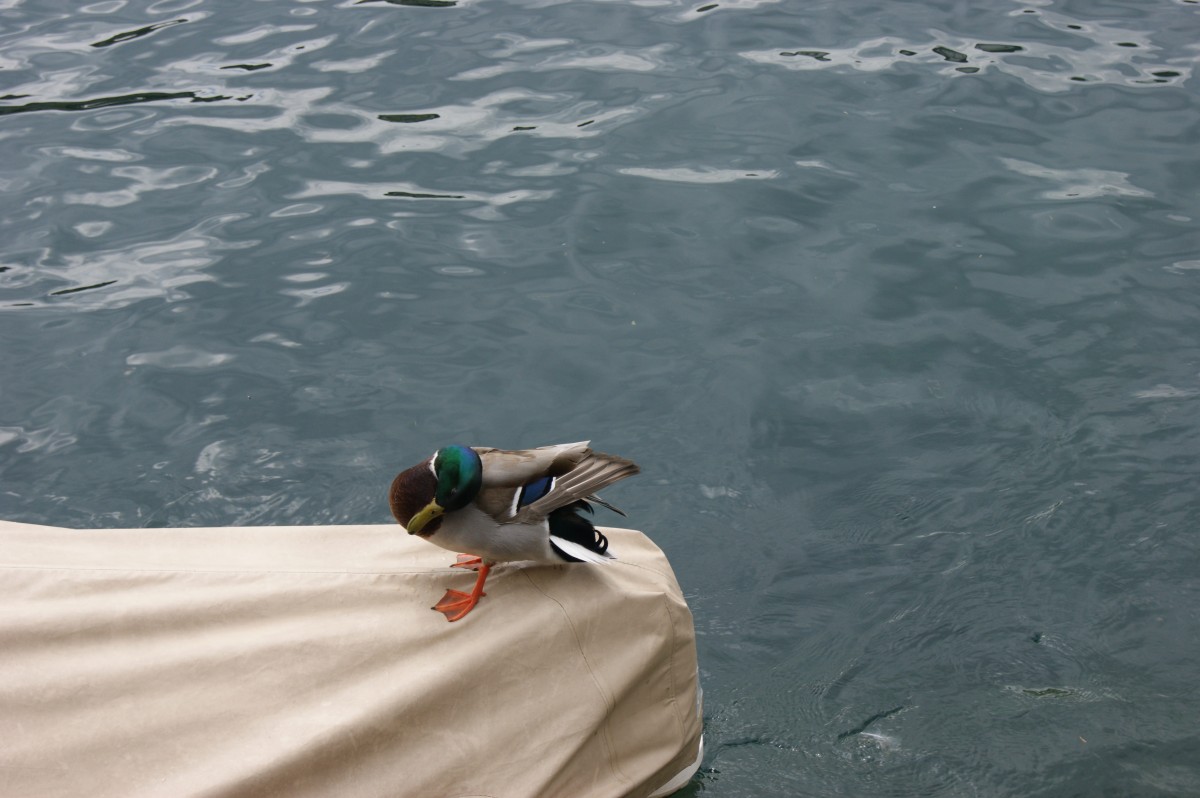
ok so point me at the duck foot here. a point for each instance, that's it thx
(469, 562)
(456, 604)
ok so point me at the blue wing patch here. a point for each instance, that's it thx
(535, 490)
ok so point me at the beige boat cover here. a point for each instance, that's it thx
(305, 661)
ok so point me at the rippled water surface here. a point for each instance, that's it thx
(896, 303)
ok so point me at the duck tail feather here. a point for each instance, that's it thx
(573, 552)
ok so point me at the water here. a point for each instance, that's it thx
(895, 303)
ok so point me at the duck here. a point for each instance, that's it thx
(496, 505)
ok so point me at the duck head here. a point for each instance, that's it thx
(448, 481)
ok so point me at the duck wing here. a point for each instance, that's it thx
(595, 471)
(519, 467)
(499, 503)
(504, 503)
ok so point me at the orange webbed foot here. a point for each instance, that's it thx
(469, 562)
(456, 604)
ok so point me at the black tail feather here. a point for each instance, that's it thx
(568, 524)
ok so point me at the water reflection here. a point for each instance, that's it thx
(1077, 53)
(701, 175)
(164, 269)
(895, 304)
(1078, 183)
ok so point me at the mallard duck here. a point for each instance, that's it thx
(507, 506)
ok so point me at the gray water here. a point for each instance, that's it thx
(896, 304)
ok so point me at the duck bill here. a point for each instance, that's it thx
(423, 517)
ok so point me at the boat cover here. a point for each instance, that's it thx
(305, 661)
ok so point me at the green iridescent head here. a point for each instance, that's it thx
(459, 473)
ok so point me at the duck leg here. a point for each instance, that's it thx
(456, 604)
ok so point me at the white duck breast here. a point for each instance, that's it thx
(472, 531)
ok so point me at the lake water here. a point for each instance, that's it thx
(896, 303)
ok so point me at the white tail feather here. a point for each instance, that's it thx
(579, 552)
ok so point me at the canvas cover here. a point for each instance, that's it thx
(305, 661)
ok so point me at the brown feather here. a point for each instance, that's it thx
(411, 490)
(503, 468)
(497, 502)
